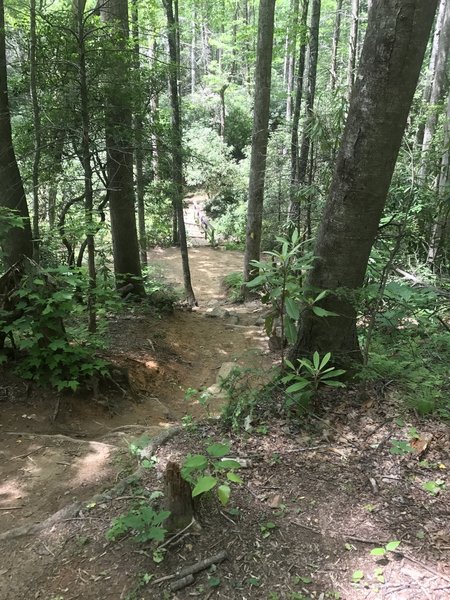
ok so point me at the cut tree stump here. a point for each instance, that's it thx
(178, 495)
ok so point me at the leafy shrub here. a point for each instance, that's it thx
(233, 283)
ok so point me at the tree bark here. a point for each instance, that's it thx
(177, 151)
(336, 39)
(352, 47)
(138, 140)
(437, 87)
(18, 241)
(87, 165)
(36, 128)
(302, 167)
(298, 104)
(260, 135)
(290, 57)
(387, 77)
(432, 65)
(127, 267)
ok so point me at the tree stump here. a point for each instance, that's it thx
(178, 496)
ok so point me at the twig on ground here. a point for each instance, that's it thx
(426, 567)
(11, 507)
(177, 535)
(26, 454)
(179, 584)
(203, 564)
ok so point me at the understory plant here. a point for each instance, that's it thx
(280, 281)
(307, 377)
(212, 470)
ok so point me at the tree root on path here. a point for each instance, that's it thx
(72, 510)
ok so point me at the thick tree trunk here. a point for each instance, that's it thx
(380, 103)
(302, 167)
(177, 151)
(260, 135)
(336, 39)
(352, 47)
(127, 267)
(17, 241)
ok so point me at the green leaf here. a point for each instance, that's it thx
(357, 576)
(332, 383)
(378, 552)
(316, 360)
(325, 360)
(213, 582)
(227, 464)
(322, 312)
(292, 309)
(204, 484)
(290, 330)
(218, 450)
(198, 461)
(320, 296)
(156, 533)
(224, 491)
(234, 477)
(296, 387)
(391, 546)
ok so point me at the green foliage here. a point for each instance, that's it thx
(212, 470)
(382, 551)
(143, 522)
(306, 379)
(233, 283)
(51, 352)
(8, 220)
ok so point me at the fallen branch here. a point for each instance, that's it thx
(179, 584)
(203, 564)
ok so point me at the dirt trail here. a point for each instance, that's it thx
(41, 470)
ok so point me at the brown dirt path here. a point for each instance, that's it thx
(162, 355)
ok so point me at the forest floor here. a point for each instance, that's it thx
(317, 497)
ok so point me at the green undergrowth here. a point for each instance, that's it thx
(233, 286)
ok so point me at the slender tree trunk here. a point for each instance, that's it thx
(222, 111)
(291, 50)
(56, 170)
(387, 77)
(352, 47)
(127, 267)
(432, 65)
(177, 152)
(302, 168)
(438, 232)
(193, 59)
(18, 241)
(336, 39)
(87, 166)
(298, 106)
(260, 136)
(139, 140)
(36, 128)
(437, 88)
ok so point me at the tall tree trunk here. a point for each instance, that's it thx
(36, 128)
(298, 105)
(138, 142)
(302, 168)
(438, 231)
(260, 135)
(432, 65)
(177, 151)
(291, 50)
(336, 39)
(193, 58)
(86, 162)
(387, 77)
(17, 241)
(437, 87)
(352, 47)
(222, 111)
(127, 267)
